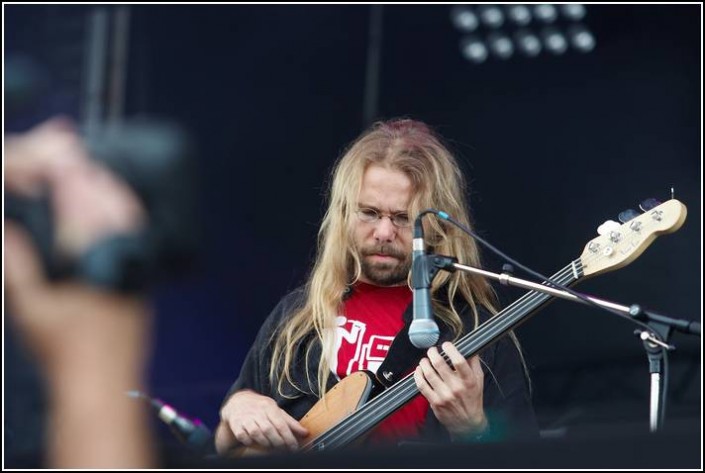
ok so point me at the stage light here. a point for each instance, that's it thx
(581, 39)
(500, 31)
(545, 12)
(527, 43)
(464, 19)
(500, 45)
(491, 16)
(473, 49)
(519, 14)
(554, 41)
(573, 11)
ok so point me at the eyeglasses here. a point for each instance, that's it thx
(400, 219)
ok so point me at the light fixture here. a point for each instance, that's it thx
(573, 11)
(473, 49)
(464, 18)
(491, 16)
(581, 39)
(527, 42)
(500, 45)
(500, 31)
(519, 14)
(545, 12)
(554, 41)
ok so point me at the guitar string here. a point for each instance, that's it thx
(353, 424)
(353, 427)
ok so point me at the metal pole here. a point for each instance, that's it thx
(94, 72)
(374, 55)
(118, 73)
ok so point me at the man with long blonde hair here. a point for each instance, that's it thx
(357, 300)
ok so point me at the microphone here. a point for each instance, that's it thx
(423, 331)
(192, 433)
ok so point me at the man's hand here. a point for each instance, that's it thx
(91, 344)
(88, 201)
(70, 322)
(252, 419)
(454, 393)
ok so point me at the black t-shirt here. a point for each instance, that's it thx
(506, 394)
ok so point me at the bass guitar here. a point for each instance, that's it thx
(345, 413)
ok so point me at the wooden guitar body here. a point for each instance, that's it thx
(343, 399)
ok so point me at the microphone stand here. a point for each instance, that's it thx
(660, 325)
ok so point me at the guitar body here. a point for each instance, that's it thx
(342, 400)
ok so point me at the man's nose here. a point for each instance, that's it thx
(385, 229)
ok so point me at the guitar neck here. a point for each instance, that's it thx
(382, 406)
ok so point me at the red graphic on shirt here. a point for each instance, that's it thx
(371, 318)
(362, 351)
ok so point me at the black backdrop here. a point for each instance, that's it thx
(552, 146)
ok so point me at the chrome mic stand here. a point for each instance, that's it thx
(655, 342)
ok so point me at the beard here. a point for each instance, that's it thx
(391, 273)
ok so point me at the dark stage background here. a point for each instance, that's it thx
(553, 146)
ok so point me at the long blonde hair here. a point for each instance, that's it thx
(414, 149)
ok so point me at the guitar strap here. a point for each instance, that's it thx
(403, 357)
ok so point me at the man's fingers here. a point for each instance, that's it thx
(476, 366)
(272, 434)
(425, 388)
(23, 269)
(285, 430)
(296, 428)
(254, 430)
(58, 123)
(460, 364)
(440, 387)
(439, 364)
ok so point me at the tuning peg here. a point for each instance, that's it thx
(628, 215)
(507, 268)
(607, 227)
(649, 204)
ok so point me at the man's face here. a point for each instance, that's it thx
(384, 248)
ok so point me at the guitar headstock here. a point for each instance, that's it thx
(620, 246)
